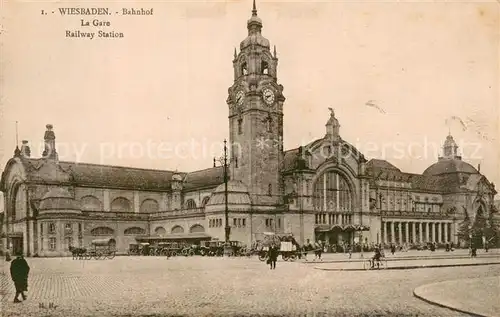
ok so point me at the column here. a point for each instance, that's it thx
(432, 232)
(413, 233)
(384, 233)
(420, 227)
(439, 239)
(392, 231)
(407, 232)
(400, 232)
(446, 240)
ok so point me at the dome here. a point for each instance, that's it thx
(447, 166)
(59, 200)
(254, 39)
(177, 177)
(237, 194)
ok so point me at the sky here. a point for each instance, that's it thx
(400, 76)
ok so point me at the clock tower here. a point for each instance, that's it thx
(256, 117)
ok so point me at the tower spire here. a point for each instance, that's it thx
(254, 9)
(17, 135)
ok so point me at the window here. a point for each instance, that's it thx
(80, 231)
(234, 221)
(205, 201)
(265, 68)
(52, 244)
(68, 228)
(190, 204)
(132, 231)
(240, 126)
(269, 124)
(269, 190)
(102, 231)
(52, 228)
(68, 241)
(243, 222)
(279, 222)
(244, 70)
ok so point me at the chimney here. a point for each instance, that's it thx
(50, 144)
(25, 149)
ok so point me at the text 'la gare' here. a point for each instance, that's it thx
(95, 22)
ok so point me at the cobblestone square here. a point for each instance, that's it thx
(201, 286)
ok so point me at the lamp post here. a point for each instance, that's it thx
(227, 229)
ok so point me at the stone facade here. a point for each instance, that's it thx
(326, 190)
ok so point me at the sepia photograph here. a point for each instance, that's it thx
(249, 158)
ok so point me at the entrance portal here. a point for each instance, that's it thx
(17, 245)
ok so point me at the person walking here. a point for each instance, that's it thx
(272, 257)
(19, 270)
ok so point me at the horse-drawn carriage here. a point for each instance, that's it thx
(142, 248)
(99, 249)
(286, 244)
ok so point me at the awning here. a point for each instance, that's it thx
(15, 234)
(175, 237)
(349, 227)
(103, 241)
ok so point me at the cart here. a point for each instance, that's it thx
(101, 249)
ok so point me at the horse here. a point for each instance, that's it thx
(77, 252)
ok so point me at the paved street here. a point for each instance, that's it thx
(155, 286)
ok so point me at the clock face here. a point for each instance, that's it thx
(240, 96)
(268, 96)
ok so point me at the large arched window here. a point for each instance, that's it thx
(196, 229)
(121, 204)
(160, 231)
(91, 203)
(134, 231)
(102, 231)
(177, 229)
(205, 201)
(149, 206)
(190, 204)
(332, 193)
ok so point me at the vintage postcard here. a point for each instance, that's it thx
(249, 158)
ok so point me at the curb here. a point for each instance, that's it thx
(412, 267)
(415, 258)
(445, 306)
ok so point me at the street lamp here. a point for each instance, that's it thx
(223, 160)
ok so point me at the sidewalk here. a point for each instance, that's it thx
(410, 255)
(407, 264)
(477, 297)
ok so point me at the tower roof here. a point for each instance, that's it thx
(254, 26)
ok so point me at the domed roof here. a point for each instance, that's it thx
(254, 26)
(177, 177)
(446, 166)
(237, 194)
(59, 200)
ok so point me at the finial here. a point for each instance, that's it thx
(17, 135)
(235, 54)
(214, 162)
(17, 151)
(274, 51)
(332, 112)
(49, 126)
(254, 10)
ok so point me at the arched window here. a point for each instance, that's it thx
(190, 204)
(240, 126)
(91, 203)
(269, 124)
(265, 68)
(196, 229)
(149, 206)
(102, 231)
(332, 193)
(121, 204)
(177, 229)
(160, 231)
(244, 70)
(205, 201)
(134, 231)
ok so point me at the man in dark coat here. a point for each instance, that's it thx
(19, 270)
(273, 256)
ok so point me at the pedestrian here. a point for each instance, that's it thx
(272, 257)
(19, 270)
(393, 248)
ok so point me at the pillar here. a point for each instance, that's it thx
(400, 232)
(446, 240)
(383, 232)
(391, 224)
(407, 232)
(420, 227)
(439, 239)
(413, 233)
(432, 232)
